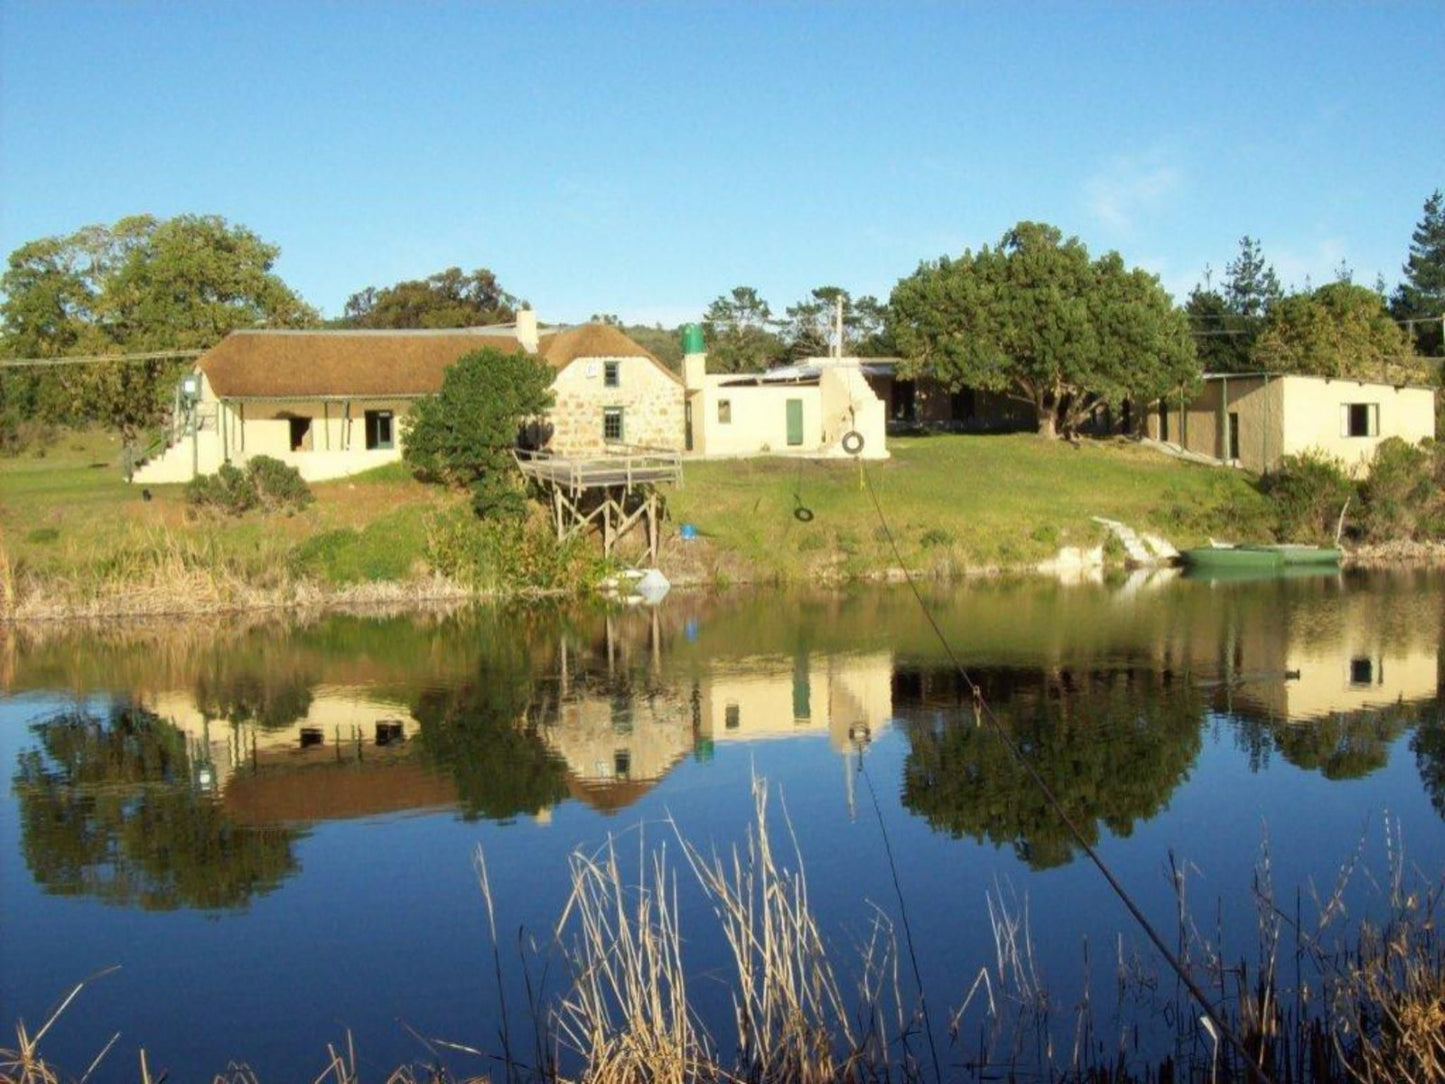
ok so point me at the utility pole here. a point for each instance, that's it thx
(838, 326)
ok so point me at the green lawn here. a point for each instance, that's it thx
(955, 501)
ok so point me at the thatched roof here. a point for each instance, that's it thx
(297, 364)
(587, 341)
(306, 364)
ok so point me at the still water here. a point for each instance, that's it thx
(271, 827)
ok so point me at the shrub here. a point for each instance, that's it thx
(1397, 496)
(265, 482)
(936, 536)
(508, 553)
(229, 490)
(279, 485)
(464, 435)
(43, 534)
(1307, 490)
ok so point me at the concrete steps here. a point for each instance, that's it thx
(1139, 549)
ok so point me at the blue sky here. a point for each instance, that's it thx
(643, 158)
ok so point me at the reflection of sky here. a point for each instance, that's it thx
(384, 922)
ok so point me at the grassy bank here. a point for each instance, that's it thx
(78, 539)
(953, 503)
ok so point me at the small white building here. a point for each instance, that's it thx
(819, 407)
(1253, 419)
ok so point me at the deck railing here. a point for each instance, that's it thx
(618, 465)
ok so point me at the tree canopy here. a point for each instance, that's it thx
(808, 329)
(144, 284)
(1422, 293)
(449, 298)
(1037, 320)
(738, 329)
(465, 434)
(1338, 330)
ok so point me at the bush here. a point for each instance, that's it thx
(279, 485)
(1308, 491)
(465, 434)
(229, 490)
(42, 535)
(265, 482)
(502, 554)
(1397, 497)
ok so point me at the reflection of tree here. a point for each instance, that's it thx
(1428, 745)
(108, 808)
(484, 732)
(1111, 746)
(1345, 745)
(270, 698)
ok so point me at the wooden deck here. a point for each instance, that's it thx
(628, 468)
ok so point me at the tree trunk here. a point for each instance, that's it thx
(1046, 423)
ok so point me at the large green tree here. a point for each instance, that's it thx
(141, 285)
(465, 434)
(1039, 321)
(1338, 330)
(1421, 296)
(739, 331)
(450, 298)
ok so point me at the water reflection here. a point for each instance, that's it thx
(115, 806)
(1111, 745)
(172, 798)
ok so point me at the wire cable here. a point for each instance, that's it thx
(1194, 989)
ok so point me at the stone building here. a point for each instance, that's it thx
(334, 403)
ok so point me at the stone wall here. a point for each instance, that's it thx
(650, 399)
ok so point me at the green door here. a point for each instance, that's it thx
(795, 422)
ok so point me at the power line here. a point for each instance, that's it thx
(96, 359)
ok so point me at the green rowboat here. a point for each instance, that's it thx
(1259, 558)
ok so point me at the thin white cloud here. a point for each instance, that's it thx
(1131, 188)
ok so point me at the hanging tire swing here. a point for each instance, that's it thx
(853, 442)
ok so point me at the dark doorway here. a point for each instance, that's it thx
(379, 430)
(300, 434)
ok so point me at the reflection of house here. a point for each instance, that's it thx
(339, 725)
(617, 744)
(1256, 419)
(332, 403)
(1354, 673)
(847, 697)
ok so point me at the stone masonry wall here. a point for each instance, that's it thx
(650, 399)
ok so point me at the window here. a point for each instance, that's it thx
(1362, 671)
(379, 430)
(1233, 435)
(610, 376)
(732, 717)
(1360, 420)
(622, 764)
(725, 411)
(612, 424)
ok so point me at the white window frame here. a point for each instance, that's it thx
(612, 374)
(621, 414)
(1372, 420)
(724, 412)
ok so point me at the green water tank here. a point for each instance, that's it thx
(692, 339)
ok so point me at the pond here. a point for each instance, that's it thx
(272, 828)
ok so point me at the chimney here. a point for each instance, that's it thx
(527, 329)
(694, 357)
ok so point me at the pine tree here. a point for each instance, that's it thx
(1422, 294)
(1252, 286)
